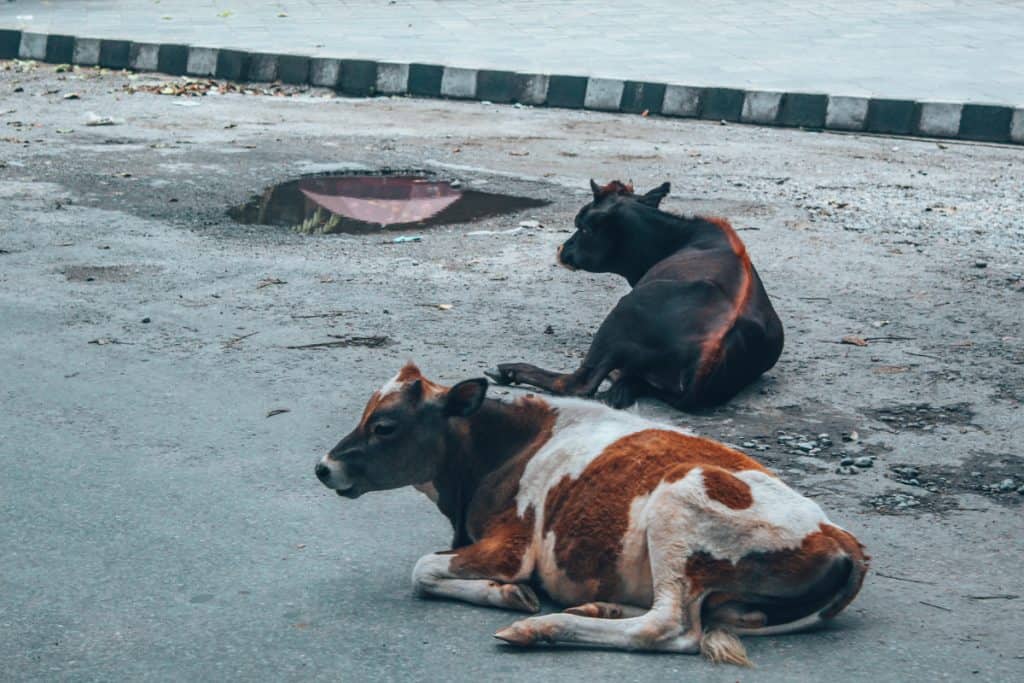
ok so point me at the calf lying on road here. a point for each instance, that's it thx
(655, 539)
(698, 325)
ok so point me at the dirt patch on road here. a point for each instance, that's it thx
(998, 477)
(99, 273)
(922, 416)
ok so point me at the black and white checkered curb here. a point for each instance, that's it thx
(363, 78)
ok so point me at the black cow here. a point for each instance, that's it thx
(698, 325)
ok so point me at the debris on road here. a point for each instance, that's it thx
(445, 307)
(235, 341)
(93, 119)
(278, 411)
(372, 342)
(200, 87)
(853, 340)
(477, 233)
(404, 239)
(267, 282)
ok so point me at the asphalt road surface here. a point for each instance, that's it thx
(155, 524)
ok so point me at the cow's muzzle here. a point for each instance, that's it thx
(560, 257)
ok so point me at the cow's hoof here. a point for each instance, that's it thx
(519, 597)
(530, 631)
(497, 376)
(621, 394)
(503, 374)
(516, 635)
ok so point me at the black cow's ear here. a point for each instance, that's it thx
(465, 398)
(595, 188)
(654, 197)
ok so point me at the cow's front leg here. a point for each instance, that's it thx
(442, 575)
(582, 382)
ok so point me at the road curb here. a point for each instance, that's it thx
(364, 78)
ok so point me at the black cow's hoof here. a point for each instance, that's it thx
(621, 394)
(498, 377)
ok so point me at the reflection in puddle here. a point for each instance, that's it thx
(370, 203)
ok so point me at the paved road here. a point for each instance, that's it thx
(914, 49)
(155, 524)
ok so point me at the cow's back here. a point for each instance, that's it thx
(590, 487)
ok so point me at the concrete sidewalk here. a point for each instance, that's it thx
(952, 50)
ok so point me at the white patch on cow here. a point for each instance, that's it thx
(583, 429)
(392, 386)
(339, 478)
(681, 514)
(635, 562)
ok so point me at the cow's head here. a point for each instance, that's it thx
(402, 436)
(606, 228)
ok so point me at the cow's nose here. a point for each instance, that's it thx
(323, 473)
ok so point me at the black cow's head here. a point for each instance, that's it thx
(608, 227)
(402, 437)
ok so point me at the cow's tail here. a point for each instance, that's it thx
(721, 646)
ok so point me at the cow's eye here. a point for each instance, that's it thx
(383, 429)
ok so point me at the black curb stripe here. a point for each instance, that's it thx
(171, 59)
(568, 92)
(115, 54)
(988, 123)
(801, 110)
(10, 42)
(425, 80)
(722, 104)
(60, 49)
(232, 65)
(358, 77)
(639, 97)
(293, 70)
(895, 117)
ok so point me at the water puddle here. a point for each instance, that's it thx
(366, 203)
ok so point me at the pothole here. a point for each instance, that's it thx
(374, 202)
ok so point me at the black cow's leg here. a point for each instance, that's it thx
(582, 382)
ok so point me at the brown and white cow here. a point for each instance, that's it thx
(654, 538)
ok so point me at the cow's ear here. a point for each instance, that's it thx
(465, 398)
(595, 188)
(654, 197)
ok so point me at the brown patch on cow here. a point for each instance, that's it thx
(615, 187)
(499, 553)
(727, 489)
(590, 515)
(712, 347)
(409, 373)
(782, 572)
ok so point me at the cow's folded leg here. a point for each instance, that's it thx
(524, 373)
(668, 626)
(490, 571)
(434, 576)
(583, 382)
